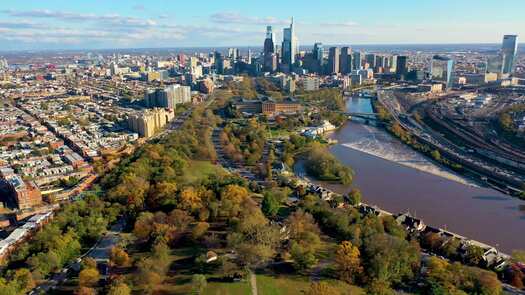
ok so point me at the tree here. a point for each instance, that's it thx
(270, 206)
(299, 223)
(144, 225)
(119, 289)
(180, 219)
(379, 287)
(199, 230)
(119, 257)
(432, 241)
(518, 255)
(198, 283)
(322, 288)
(354, 197)
(302, 256)
(190, 200)
(474, 255)
(348, 262)
(390, 259)
(85, 291)
(88, 277)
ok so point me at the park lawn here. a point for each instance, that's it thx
(291, 285)
(198, 170)
(237, 288)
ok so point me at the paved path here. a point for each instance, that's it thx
(253, 283)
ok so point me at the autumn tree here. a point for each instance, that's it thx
(88, 277)
(119, 289)
(348, 262)
(199, 230)
(119, 257)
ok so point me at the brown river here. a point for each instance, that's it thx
(385, 174)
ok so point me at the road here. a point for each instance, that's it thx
(100, 252)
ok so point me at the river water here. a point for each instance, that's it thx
(445, 201)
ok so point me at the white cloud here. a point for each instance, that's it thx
(237, 18)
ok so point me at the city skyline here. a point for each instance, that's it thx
(76, 25)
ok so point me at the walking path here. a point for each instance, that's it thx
(253, 283)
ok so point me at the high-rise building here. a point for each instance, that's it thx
(150, 121)
(401, 66)
(168, 97)
(442, 69)
(219, 63)
(290, 45)
(357, 60)
(269, 43)
(345, 62)
(508, 51)
(495, 64)
(380, 63)
(370, 59)
(333, 60)
(269, 56)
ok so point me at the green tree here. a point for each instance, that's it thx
(270, 206)
(354, 197)
(198, 283)
(474, 255)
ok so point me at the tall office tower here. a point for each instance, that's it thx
(357, 60)
(333, 60)
(232, 53)
(249, 59)
(318, 52)
(290, 45)
(442, 69)
(392, 63)
(494, 64)
(269, 44)
(219, 63)
(269, 56)
(380, 63)
(345, 62)
(401, 66)
(370, 59)
(508, 50)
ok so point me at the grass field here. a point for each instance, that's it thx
(291, 285)
(198, 170)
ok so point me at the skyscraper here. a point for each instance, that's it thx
(370, 60)
(333, 60)
(495, 64)
(219, 63)
(357, 60)
(290, 45)
(508, 51)
(401, 66)
(269, 44)
(441, 69)
(318, 52)
(345, 62)
(270, 58)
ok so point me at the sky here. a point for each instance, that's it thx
(107, 24)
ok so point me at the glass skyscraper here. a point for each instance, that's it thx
(290, 45)
(508, 51)
(442, 69)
